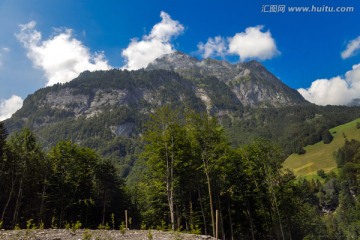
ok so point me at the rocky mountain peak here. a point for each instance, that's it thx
(252, 83)
(181, 61)
(173, 61)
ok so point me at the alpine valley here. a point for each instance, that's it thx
(106, 110)
(205, 147)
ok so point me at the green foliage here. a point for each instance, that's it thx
(150, 235)
(122, 228)
(163, 226)
(143, 226)
(327, 137)
(72, 174)
(113, 221)
(321, 173)
(22, 172)
(266, 201)
(86, 235)
(54, 223)
(320, 155)
(339, 193)
(3, 136)
(177, 235)
(104, 227)
(300, 150)
(41, 226)
(30, 224)
(67, 225)
(67, 184)
(195, 229)
(186, 169)
(291, 127)
(76, 226)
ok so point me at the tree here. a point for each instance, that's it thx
(165, 150)
(109, 194)
(24, 171)
(71, 181)
(209, 147)
(3, 136)
(327, 137)
(269, 203)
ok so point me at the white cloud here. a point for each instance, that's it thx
(253, 43)
(140, 53)
(351, 48)
(10, 106)
(213, 47)
(335, 91)
(61, 57)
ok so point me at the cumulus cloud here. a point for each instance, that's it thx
(335, 91)
(253, 43)
(351, 48)
(213, 47)
(10, 106)
(140, 53)
(61, 57)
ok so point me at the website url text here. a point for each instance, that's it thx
(309, 9)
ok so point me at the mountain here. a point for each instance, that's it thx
(107, 110)
(215, 86)
(252, 83)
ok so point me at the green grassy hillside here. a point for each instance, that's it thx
(320, 155)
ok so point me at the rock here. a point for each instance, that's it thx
(63, 234)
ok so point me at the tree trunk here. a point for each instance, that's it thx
(250, 220)
(231, 223)
(13, 180)
(191, 225)
(221, 220)
(17, 205)
(274, 199)
(42, 201)
(104, 209)
(278, 214)
(223, 236)
(202, 212)
(169, 185)
(210, 202)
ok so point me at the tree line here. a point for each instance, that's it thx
(185, 171)
(189, 170)
(67, 184)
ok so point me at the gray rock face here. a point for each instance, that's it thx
(250, 81)
(80, 104)
(120, 98)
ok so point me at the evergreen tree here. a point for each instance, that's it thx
(327, 137)
(3, 136)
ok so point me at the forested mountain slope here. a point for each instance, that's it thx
(106, 110)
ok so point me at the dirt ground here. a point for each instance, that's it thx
(63, 234)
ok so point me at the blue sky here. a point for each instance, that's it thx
(47, 41)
